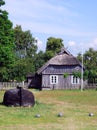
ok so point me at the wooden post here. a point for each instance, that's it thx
(20, 94)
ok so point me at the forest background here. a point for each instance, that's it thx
(19, 53)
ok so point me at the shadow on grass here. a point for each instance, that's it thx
(1, 103)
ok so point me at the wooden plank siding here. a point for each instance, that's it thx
(55, 69)
(51, 73)
(63, 83)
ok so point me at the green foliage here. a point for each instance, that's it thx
(53, 46)
(79, 57)
(90, 63)
(3, 74)
(18, 71)
(39, 60)
(66, 75)
(25, 50)
(7, 57)
(92, 76)
(24, 42)
(2, 2)
(90, 59)
(21, 69)
(85, 75)
(48, 55)
(77, 74)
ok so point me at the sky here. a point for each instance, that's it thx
(74, 21)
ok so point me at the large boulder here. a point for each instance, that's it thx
(18, 97)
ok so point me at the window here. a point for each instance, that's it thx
(53, 79)
(74, 80)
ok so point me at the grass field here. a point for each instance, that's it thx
(73, 104)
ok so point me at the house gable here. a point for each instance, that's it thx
(63, 58)
(51, 74)
(61, 69)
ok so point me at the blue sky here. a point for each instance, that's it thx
(75, 21)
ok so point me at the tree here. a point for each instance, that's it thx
(21, 69)
(48, 55)
(39, 60)
(6, 44)
(24, 42)
(53, 46)
(90, 63)
(79, 57)
(90, 59)
(92, 76)
(25, 50)
(77, 74)
(2, 3)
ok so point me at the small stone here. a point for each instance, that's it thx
(91, 114)
(60, 114)
(37, 115)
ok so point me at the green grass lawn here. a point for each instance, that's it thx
(74, 104)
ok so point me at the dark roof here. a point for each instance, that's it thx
(30, 75)
(62, 58)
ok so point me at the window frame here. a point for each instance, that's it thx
(53, 79)
(74, 80)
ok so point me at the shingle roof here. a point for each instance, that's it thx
(62, 58)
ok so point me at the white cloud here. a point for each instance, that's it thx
(74, 47)
(84, 46)
(41, 16)
(39, 44)
(54, 17)
(92, 44)
(72, 43)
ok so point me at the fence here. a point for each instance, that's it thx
(9, 85)
(91, 86)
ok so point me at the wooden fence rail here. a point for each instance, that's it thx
(9, 85)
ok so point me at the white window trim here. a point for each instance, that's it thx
(74, 80)
(53, 79)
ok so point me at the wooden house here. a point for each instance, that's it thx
(51, 74)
